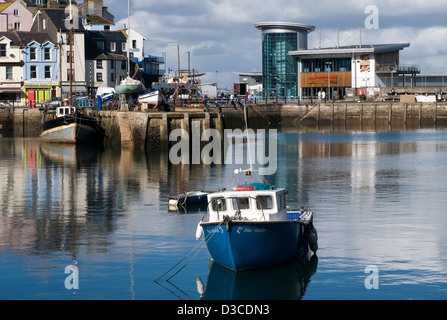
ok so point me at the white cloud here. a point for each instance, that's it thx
(221, 34)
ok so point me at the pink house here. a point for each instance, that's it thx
(14, 16)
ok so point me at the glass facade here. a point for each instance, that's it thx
(279, 68)
(322, 65)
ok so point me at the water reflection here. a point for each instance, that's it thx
(379, 199)
(286, 281)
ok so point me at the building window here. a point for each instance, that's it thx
(98, 64)
(33, 54)
(2, 50)
(68, 39)
(134, 43)
(99, 77)
(17, 26)
(72, 74)
(123, 46)
(68, 56)
(123, 65)
(47, 72)
(47, 54)
(113, 46)
(324, 64)
(112, 64)
(16, 12)
(112, 77)
(44, 24)
(8, 73)
(33, 74)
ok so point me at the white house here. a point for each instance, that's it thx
(11, 69)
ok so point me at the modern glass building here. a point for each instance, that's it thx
(279, 68)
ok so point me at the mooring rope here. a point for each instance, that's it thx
(201, 244)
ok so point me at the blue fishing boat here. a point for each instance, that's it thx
(248, 227)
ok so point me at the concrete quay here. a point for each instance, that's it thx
(151, 129)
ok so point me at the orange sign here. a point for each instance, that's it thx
(322, 79)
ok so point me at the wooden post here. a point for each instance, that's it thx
(318, 113)
(206, 122)
(420, 115)
(405, 113)
(435, 117)
(375, 112)
(164, 133)
(332, 112)
(346, 112)
(361, 113)
(390, 113)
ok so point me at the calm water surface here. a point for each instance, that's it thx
(380, 200)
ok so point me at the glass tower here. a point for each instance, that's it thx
(279, 69)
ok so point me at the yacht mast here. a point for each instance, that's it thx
(71, 56)
(128, 38)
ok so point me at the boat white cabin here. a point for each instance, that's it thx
(253, 203)
(64, 111)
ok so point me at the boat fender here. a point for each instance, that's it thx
(312, 236)
(199, 231)
(227, 221)
(173, 202)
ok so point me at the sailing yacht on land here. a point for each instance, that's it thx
(129, 85)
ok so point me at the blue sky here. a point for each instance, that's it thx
(222, 38)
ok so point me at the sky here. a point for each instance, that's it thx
(221, 37)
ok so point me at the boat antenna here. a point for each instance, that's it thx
(248, 138)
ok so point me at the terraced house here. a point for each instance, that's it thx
(40, 71)
(15, 16)
(11, 69)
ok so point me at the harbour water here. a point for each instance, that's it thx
(380, 211)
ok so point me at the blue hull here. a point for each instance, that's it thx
(194, 200)
(249, 245)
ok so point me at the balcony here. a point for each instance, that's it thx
(401, 69)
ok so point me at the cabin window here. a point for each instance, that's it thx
(219, 205)
(264, 202)
(281, 200)
(241, 203)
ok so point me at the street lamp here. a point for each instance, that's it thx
(329, 64)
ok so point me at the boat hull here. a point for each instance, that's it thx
(151, 98)
(190, 198)
(244, 245)
(129, 89)
(70, 133)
